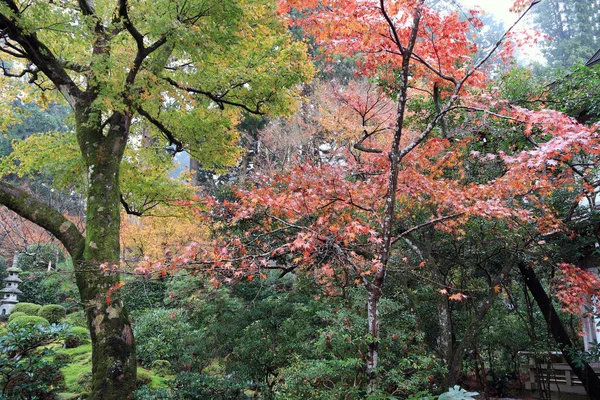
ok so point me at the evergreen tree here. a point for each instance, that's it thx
(572, 26)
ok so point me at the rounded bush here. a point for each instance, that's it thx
(27, 308)
(53, 313)
(63, 357)
(27, 320)
(76, 337)
(77, 319)
(161, 367)
(14, 315)
(163, 334)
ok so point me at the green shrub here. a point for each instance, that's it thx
(27, 308)
(14, 315)
(143, 377)
(163, 334)
(141, 294)
(161, 367)
(26, 321)
(3, 330)
(191, 386)
(53, 313)
(63, 357)
(77, 318)
(28, 369)
(76, 336)
(38, 288)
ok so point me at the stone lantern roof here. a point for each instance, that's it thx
(11, 290)
(15, 279)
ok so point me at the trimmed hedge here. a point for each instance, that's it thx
(76, 337)
(77, 319)
(14, 315)
(53, 313)
(27, 320)
(27, 308)
(161, 367)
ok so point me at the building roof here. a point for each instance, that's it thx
(594, 60)
(14, 269)
(13, 279)
(11, 290)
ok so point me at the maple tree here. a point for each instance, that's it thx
(343, 220)
(183, 70)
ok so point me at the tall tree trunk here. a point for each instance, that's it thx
(373, 335)
(113, 348)
(445, 332)
(584, 372)
(395, 156)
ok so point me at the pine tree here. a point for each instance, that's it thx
(572, 26)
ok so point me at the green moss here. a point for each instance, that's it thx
(78, 372)
(78, 351)
(79, 369)
(156, 381)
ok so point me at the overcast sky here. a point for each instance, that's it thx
(500, 10)
(498, 7)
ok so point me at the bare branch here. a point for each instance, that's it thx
(170, 136)
(39, 54)
(219, 98)
(425, 224)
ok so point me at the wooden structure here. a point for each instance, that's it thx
(551, 378)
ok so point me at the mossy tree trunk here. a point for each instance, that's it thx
(95, 255)
(113, 355)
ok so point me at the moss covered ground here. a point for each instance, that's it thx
(77, 373)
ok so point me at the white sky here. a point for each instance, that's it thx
(497, 7)
(500, 10)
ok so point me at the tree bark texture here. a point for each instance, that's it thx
(114, 362)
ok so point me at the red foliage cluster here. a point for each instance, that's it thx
(577, 289)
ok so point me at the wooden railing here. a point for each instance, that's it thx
(556, 378)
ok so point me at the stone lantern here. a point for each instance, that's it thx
(9, 295)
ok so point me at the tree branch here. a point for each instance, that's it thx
(163, 129)
(219, 99)
(128, 209)
(41, 214)
(39, 54)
